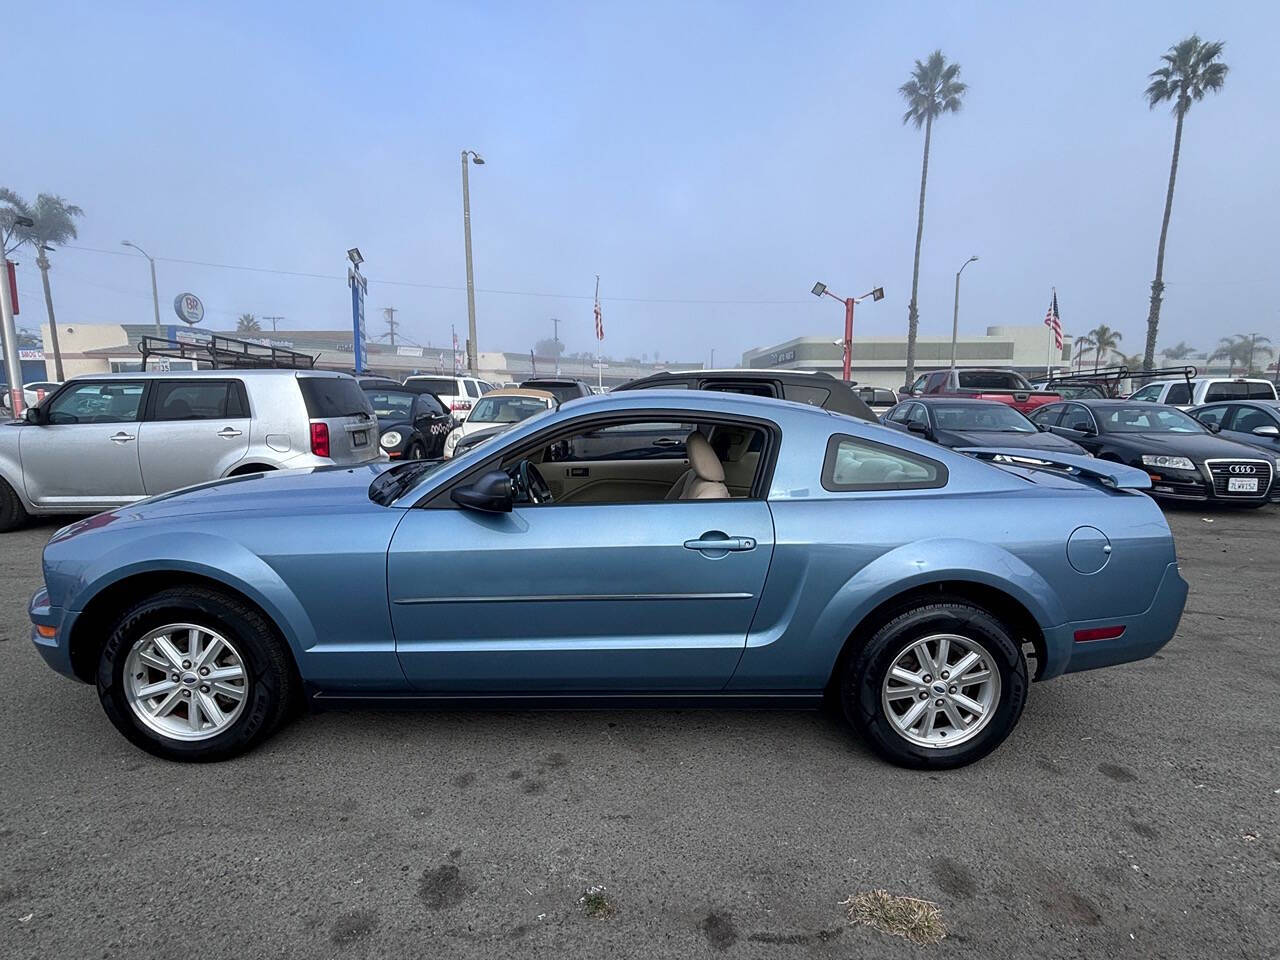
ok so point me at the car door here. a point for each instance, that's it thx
(85, 453)
(1243, 420)
(574, 598)
(1078, 425)
(194, 430)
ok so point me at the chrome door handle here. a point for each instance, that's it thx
(122, 437)
(734, 544)
(228, 432)
(666, 442)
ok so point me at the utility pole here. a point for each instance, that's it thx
(273, 322)
(392, 323)
(555, 338)
(42, 262)
(155, 291)
(469, 156)
(955, 311)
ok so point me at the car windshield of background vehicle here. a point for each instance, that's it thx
(973, 416)
(1234, 390)
(991, 380)
(388, 405)
(1140, 418)
(506, 409)
(563, 392)
(443, 385)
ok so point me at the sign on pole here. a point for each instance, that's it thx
(188, 308)
(359, 287)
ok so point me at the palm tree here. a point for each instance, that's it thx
(1239, 350)
(1191, 69)
(52, 222)
(1179, 351)
(248, 323)
(932, 91)
(1104, 339)
(1082, 345)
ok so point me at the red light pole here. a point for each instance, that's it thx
(820, 290)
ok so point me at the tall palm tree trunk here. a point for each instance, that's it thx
(1157, 285)
(913, 313)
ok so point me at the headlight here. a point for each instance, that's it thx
(1169, 463)
(451, 442)
(391, 439)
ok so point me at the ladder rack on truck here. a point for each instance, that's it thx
(226, 353)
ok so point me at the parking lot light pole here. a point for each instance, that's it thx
(12, 363)
(155, 292)
(478, 160)
(955, 311)
(820, 290)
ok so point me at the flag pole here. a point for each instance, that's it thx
(1048, 357)
(599, 369)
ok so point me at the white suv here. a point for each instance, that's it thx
(458, 394)
(1185, 394)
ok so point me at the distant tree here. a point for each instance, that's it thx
(548, 347)
(1179, 351)
(1082, 346)
(248, 323)
(53, 221)
(932, 91)
(1105, 340)
(1191, 69)
(1241, 349)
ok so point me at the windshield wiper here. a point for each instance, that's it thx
(394, 482)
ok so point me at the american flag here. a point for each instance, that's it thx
(599, 315)
(1054, 322)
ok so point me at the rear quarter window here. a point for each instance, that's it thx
(852, 464)
(330, 397)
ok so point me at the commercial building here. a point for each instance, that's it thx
(114, 348)
(882, 361)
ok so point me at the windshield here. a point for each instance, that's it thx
(974, 416)
(391, 404)
(506, 409)
(563, 392)
(1145, 418)
(446, 385)
(395, 482)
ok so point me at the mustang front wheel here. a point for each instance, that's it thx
(940, 685)
(192, 674)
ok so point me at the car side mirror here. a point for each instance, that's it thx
(36, 416)
(1085, 427)
(1042, 427)
(915, 426)
(1216, 427)
(1266, 430)
(490, 494)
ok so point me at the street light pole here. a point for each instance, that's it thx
(955, 311)
(155, 291)
(472, 156)
(12, 364)
(42, 262)
(820, 290)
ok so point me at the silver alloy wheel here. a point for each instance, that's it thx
(185, 681)
(941, 690)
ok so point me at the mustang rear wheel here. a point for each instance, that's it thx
(940, 685)
(192, 674)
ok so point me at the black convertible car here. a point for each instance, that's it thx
(957, 422)
(412, 423)
(1185, 459)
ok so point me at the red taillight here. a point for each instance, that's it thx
(320, 439)
(1098, 633)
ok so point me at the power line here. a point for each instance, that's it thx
(454, 287)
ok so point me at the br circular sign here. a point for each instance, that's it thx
(188, 308)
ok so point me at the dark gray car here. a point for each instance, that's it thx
(1255, 422)
(957, 422)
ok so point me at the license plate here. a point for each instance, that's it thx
(360, 438)
(1242, 485)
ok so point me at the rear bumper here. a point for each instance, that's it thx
(1144, 633)
(54, 649)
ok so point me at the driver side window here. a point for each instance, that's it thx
(109, 401)
(642, 461)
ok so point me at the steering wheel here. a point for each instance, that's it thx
(532, 483)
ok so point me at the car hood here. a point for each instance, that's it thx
(280, 491)
(1022, 441)
(1197, 446)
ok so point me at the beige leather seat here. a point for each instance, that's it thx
(704, 480)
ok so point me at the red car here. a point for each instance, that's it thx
(1003, 386)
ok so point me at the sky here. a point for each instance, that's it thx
(710, 161)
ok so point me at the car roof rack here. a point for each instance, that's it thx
(226, 353)
(1110, 378)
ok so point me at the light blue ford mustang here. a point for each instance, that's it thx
(671, 546)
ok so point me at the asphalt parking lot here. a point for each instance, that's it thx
(1134, 812)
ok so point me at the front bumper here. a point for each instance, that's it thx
(50, 628)
(1144, 633)
(1196, 486)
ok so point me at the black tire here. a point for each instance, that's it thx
(12, 513)
(861, 685)
(272, 684)
(416, 451)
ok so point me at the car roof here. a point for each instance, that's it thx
(565, 380)
(962, 401)
(746, 373)
(1206, 379)
(1100, 403)
(521, 392)
(225, 372)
